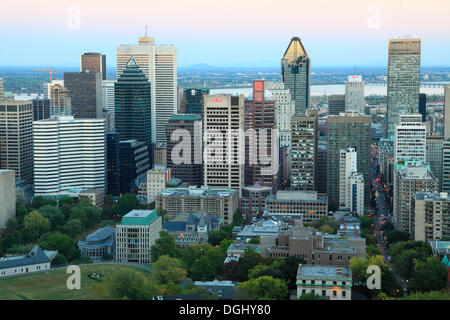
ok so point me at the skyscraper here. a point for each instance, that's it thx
(351, 183)
(354, 94)
(112, 164)
(16, 138)
(423, 106)
(223, 121)
(348, 130)
(191, 157)
(336, 104)
(159, 64)
(260, 117)
(41, 109)
(192, 101)
(85, 91)
(435, 144)
(134, 164)
(285, 109)
(68, 153)
(60, 102)
(447, 112)
(403, 83)
(108, 103)
(2, 88)
(132, 93)
(93, 62)
(295, 74)
(304, 140)
(410, 138)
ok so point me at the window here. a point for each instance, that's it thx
(324, 293)
(334, 294)
(343, 293)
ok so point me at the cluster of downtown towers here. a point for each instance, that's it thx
(146, 110)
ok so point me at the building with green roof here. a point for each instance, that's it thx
(136, 233)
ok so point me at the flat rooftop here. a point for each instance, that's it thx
(308, 271)
(197, 192)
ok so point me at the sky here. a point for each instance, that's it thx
(235, 33)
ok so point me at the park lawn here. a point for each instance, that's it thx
(52, 286)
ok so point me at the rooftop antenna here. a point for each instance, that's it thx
(146, 31)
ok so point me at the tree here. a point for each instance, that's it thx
(254, 241)
(167, 269)
(80, 214)
(310, 296)
(163, 214)
(54, 215)
(289, 267)
(326, 229)
(38, 202)
(62, 243)
(35, 224)
(366, 222)
(265, 270)
(131, 285)
(74, 228)
(372, 250)
(59, 260)
(165, 245)
(93, 216)
(429, 275)
(266, 288)
(126, 203)
(237, 218)
(396, 236)
(215, 237)
(202, 270)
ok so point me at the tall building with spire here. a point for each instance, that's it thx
(403, 83)
(159, 64)
(295, 74)
(132, 96)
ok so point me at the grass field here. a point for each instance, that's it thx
(52, 286)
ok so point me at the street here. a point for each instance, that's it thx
(382, 216)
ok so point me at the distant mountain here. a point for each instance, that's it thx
(200, 67)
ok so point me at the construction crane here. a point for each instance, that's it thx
(51, 72)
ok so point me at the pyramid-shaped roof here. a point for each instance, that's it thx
(295, 50)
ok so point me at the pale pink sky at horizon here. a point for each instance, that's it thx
(334, 32)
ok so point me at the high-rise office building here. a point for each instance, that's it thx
(60, 102)
(348, 130)
(321, 173)
(16, 138)
(336, 104)
(410, 177)
(85, 91)
(93, 62)
(410, 138)
(112, 164)
(69, 153)
(159, 64)
(7, 196)
(132, 93)
(185, 158)
(354, 94)
(434, 146)
(403, 83)
(223, 123)
(304, 140)
(295, 74)
(41, 109)
(351, 183)
(285, 109)
(134, 164)
(2, 88)
(157, 179)
(447, 112)
(423, 106)
(260, 150)
(108, 102)
(446, 166)
(192, 100)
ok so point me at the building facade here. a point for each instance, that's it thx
(349, 130)
(410, 138)
(69, 153)
(135, 235)
(431, 216)
(184, 154)
(220, 202)
(157, 181)
(16, 138)
(295, 74)
(7, 196)
(223, 123)
(85, 92)
(336, 104)
(403, 82)
(354, 94)
(93, 62)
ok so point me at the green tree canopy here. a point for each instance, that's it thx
(265, 288)
(167, 269)
(35, 224)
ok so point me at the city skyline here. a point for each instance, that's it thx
(356, 32)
